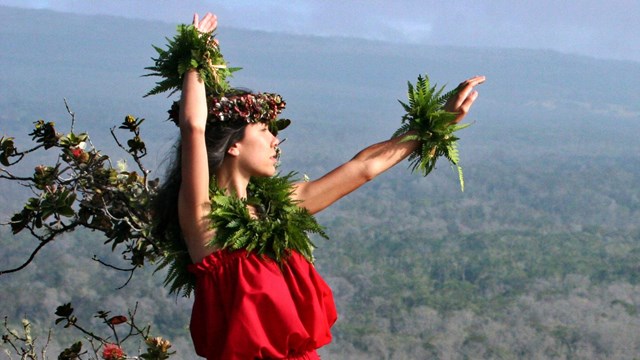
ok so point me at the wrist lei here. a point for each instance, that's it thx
(190, 49)
(431, 125)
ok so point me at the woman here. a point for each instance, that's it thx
(247, 305)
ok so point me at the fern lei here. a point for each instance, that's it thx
(428, 122)
(281, 226)
(190, 49)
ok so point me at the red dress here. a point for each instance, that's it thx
(248, 306)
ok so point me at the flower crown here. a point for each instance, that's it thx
(247, 107)
(191, 49)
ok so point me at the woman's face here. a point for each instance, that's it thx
(257, 151)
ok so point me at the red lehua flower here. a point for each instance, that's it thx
(112, 352)
(77, 152)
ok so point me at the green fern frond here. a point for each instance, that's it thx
(460, 177)
(178, 279)
(427, 121)
(452, 153)
(442, 100)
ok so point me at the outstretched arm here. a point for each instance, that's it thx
(193, 198)
(367, 164)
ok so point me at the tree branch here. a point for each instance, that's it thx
(135, 157)
(71, 113)
(43, 241)
(130, 270)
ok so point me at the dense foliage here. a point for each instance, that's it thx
(83, 188)
(426, 282)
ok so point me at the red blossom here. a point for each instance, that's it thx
(77, 152)
(112, 352)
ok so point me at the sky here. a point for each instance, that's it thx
(597, 28)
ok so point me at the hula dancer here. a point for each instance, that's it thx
(236, 233)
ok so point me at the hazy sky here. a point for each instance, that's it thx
(598, 28)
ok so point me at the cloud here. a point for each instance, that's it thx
(601, 28)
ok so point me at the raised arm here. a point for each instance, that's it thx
(193, 198)
(372, 161)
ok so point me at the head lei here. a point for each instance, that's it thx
(191, 49)
(241, 107)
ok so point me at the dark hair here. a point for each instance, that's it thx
(218, 139)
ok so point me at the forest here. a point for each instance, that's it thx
(538, 258)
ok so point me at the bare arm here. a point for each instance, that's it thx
(193, 198)
(367, 164)
(374, 160)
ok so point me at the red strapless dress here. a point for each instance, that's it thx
(247, 306)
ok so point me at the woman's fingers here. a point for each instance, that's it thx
(208, 23)
(466, 88)
(461, 103)
(468, 101)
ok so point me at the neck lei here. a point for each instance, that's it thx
(280, 227)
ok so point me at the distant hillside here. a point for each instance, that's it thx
(344, 88)
(341, 92)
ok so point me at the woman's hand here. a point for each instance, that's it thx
(193, 109)
(462, 101)
(208, 23)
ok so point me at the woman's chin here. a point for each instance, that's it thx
(267, 173)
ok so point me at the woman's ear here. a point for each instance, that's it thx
(234, 150)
